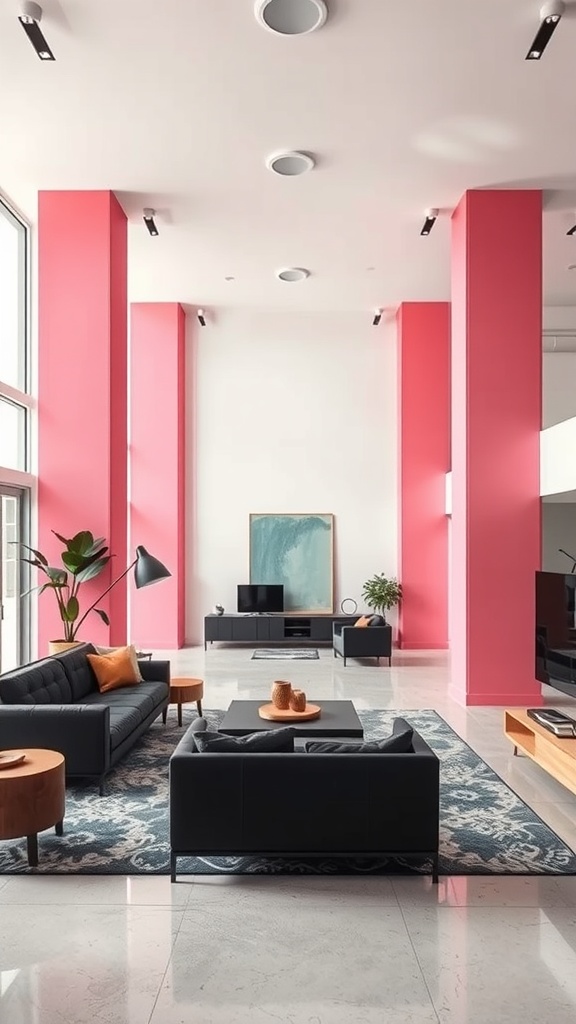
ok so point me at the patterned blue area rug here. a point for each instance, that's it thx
(485, 829)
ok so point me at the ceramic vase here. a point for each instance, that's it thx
(281, 693)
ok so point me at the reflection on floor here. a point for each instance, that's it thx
(304, 950)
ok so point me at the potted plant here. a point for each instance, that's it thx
(84, 558)
(381, 593)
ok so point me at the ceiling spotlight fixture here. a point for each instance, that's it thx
(149, 215)
(291, 164)
(550, 15)
(430, 220)
(572, 230)
(30, 20)
(292, 274)
(377, 317)
(291, 17)
(201, 318)
(229, 278)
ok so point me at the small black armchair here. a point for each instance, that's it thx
(367, 642)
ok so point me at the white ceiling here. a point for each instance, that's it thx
(175, 104)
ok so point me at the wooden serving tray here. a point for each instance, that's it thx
(274, 714)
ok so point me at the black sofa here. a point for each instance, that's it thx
(304, 805)
(55, 703)
(366, 642)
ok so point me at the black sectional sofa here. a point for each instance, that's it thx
(55, 703)
(303, 804)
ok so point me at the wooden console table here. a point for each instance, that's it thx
(556, 756)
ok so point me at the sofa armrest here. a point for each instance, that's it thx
(155, 671)
(81, 732)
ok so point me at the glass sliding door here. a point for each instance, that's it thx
(14, 609)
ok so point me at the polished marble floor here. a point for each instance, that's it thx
(304, 950)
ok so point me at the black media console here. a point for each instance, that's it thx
(272, 629)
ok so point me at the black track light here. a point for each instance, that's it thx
(201, 318)
(431, 216)
(550, 15)
(572, 230)
(377, 317)
(30, 20)
(149, 221)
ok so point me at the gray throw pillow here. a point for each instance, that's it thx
(272, 741)
(376, 620)
(199, 725)
(398, 743)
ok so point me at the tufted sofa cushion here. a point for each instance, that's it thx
(44, 682)
(77, 669)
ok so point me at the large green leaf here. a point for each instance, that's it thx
(64, 540)
(41, 588)
(73, 560)
(92, 570)
(58, 576)
(102, 615)
(72, 609)
(98, 543)
(37, 554)
(81, 542)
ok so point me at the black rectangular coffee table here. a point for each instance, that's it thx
(338, 719)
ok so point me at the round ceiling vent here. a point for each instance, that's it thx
(290, 164)
(292, 274)
(291, 17)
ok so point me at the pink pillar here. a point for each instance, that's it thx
(424, 460)
(82, 404)
(157, 467)
(496, 403)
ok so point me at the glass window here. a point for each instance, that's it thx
(12, 435)
(12, 300)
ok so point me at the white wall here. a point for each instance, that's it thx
(558, 387)
(294, 413)
(558, 531)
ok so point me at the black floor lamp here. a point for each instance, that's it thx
(147, 570)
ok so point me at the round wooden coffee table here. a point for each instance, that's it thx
(32, 796)
(183, 690)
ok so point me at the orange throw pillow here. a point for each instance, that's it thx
(363, 621)
(113, 670)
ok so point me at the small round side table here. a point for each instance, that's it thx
(183, 690)
(32, 796)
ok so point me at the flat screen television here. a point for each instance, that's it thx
(260, 597)
(556, 629)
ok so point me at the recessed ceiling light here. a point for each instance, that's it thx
(229, 278)
(291, 17)
(292, 274)
(290, 164)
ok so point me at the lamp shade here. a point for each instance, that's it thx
(148, 569)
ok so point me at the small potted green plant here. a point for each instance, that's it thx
(382, 593)
(84, 558)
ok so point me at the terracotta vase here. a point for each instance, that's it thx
(59, 646)
(281, 693)
(298, 700)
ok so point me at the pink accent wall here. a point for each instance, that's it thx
(157, 467)
(424, 460)
(496, 417)
(82, 393)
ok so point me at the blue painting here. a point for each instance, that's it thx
(296, 550)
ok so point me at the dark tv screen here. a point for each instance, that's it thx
(260, 597)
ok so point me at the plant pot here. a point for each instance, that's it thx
(59, 646)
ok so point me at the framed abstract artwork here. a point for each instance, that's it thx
(297, 550)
